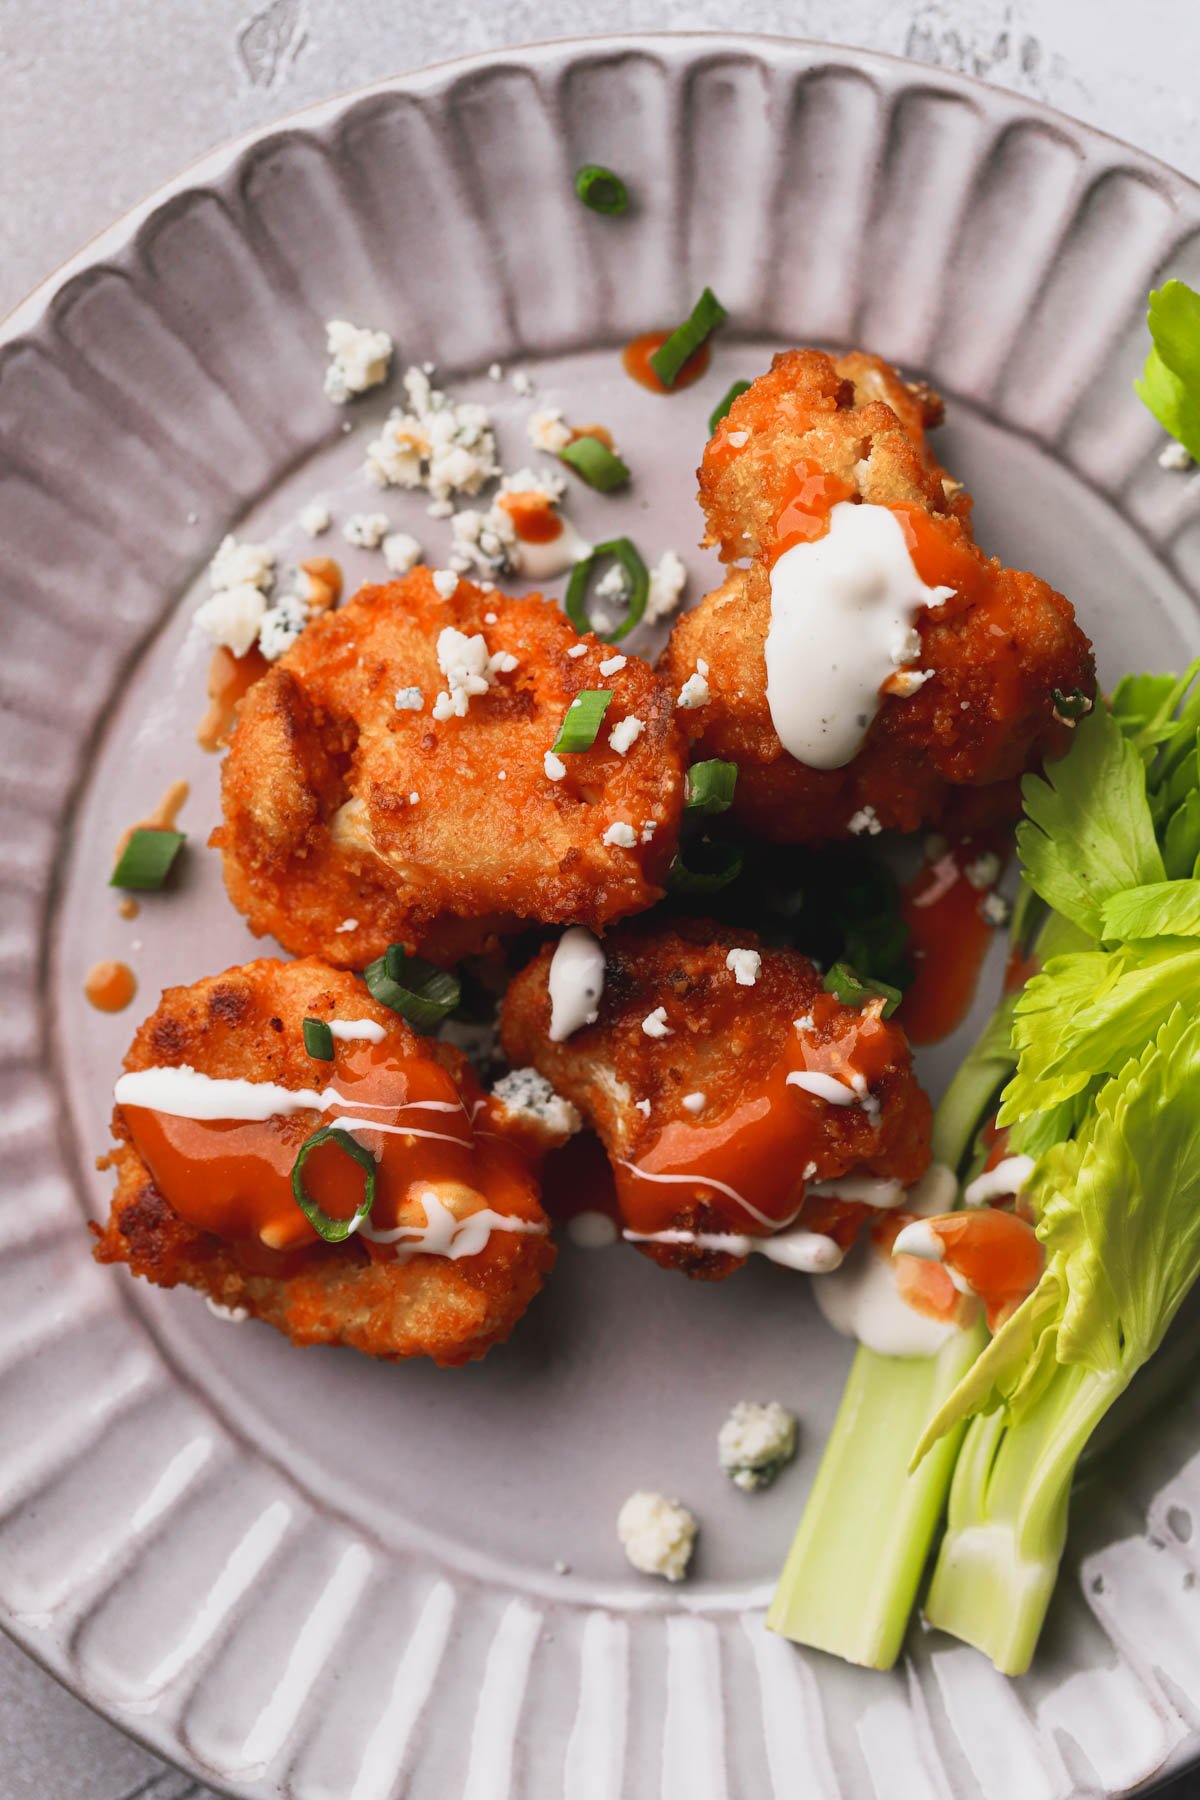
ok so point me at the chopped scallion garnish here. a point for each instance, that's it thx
(318, 1039)
(856, 990)
(599, 466)
(1075, 705)
(575, 601)
(582, 720)
(687, 338)
(711, 867)
(723, 406)
(418, 990)
(146, 859)
(334, 1231)
(710, 786)
(600, 189)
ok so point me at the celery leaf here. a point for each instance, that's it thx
(1170, 382)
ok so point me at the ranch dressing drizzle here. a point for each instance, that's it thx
(1008, 1177)
(351, 1031)
(843, 608)
(809, 1251)
(443, 1234)
(576, 982)
(861, 1300)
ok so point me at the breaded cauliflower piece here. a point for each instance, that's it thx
(977, 709)
(683, 1077)
(247, 1024)
(390, 780)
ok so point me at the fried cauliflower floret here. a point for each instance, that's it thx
(390, 780)
(975, 706)
(683, 1078)
(248, 1024)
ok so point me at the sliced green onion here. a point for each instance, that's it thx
(855, 990)
(575, 602)
(687, 338)
(723, 406)
(146, 859)
(1075, 705)
(712, 866)
(334, 1231)
(600, 189)
(418, 990)
(710, 786)
(582, 720)
(599, 466)
(318, 1040)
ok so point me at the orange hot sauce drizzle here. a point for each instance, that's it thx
(110, 986)
(949, 937)
(233, 1178)
(996, 1253)
(230, 677)
(534, 518)
(760, 1148)
(635, 360)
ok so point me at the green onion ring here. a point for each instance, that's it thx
(582, 721)
(418, 990)
(334, 1231)
(710, 786)
(575, 601)
(146, 860)
(595, 463)
(856, 990)
(318, 1039)
(685, 879)
(600, 189)
(687, 338)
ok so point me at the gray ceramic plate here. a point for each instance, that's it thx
(306, 1574)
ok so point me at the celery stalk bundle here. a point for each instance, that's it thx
(1099, 1062)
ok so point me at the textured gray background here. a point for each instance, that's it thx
(100, 100)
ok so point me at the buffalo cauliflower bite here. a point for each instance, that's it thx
(685, 1079)
(208, 1203)
(389, 780)
(974, 706)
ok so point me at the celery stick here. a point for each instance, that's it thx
(851, 1576)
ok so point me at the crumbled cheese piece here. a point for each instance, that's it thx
(413, 797)
(281, 625)
(358, 359)
(906, 681)
(445, 446)
(401, 552)
(620, 836)
(694, 1103)
(554, 766)
(241, 565)
(1174, 456)
(625, 733)
(805, 1022)
(232, 616)
(446, 583)
(808, 1171)
(366, 531)
(502, 775)
(347, 925)
(468, 668)
(695, 690)
(489, 618)
(668, 578)
(578, 650)
(409, 699)
(744, 965)
(612, 665)
(495, 372)
(865, 819)
(643, 1106)
(315, 519)
(995, 909)
(649, 827)
(613, 584)
(548, 431)
(737, 438)
(528, 1096)
(522, 383)
(755, 1442)
(983, 870)
(657, 1535)
(655, 1024)
(489, 540)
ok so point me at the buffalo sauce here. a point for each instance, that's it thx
(230, 677)
(635, 360)
(948, 939)
(997, 1255)
(748, 1169)
(533, 516)
(234, 1178)
(809, 498)
(924, 1286)
(110, 986)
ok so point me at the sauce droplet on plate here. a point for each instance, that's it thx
(534, 518)
(635, 360)
(229, 678)
(110, 986)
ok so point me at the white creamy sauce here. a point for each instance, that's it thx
(445, 1235)
(542, 562)
(825, 1087)
(1008, 1177)
(351, 1031)
(186, 1094)
(871, 1190)
(809, 1251)
(843, 609)
(860, 1299)
(576, 982)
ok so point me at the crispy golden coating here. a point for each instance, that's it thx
(441, 834)
(248, 1023)
(729, 1045)
(997, 650)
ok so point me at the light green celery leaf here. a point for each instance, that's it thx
(1184, 778)
(1038, 1131)
(1142, 705)
(1021, 1355)
(1087, 1013)
(1181, 839)
(1164, 909)
(1170, 383)
(1088, 832)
